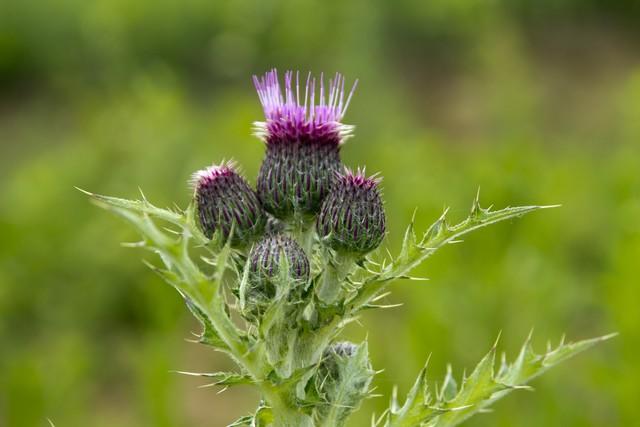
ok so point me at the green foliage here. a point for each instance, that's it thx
(447, 406)
(303, 378)
(539, 107)
(342, 382)
(414, 252)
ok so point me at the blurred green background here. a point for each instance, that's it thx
(536, 102)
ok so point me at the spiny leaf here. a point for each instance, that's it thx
(439, 234)
(183, 219)
(221, 378)
(480, 389)
(202, 294)
(208, 336)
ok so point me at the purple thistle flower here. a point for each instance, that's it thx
(303, 134)
(224, 201)
(352, 217)
(289, 118)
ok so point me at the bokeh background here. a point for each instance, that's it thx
(536, 102)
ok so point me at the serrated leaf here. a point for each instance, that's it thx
(203, 294)
(181, 219)
(208, 336)
(438, 235)
(481, 389)
(415, 409)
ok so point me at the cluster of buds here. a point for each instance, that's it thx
(293, 256)
(301, 177)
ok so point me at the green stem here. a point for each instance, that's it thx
(335, 273)
(285, 411)
(303, 231)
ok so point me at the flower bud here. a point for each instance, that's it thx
(344, 348)
(266, 258)
(224, 201)
(352, 217)
(343, 378)
(302, 141)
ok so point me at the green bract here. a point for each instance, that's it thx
(295, 176)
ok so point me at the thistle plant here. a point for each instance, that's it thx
(274, 275)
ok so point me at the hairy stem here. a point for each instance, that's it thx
(335, 274)
(285, 410)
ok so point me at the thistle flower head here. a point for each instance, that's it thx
(303, 134)
(352, 217)
(290, 118)
(266, 259)
(225, 202)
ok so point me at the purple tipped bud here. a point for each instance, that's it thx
(343, 378)
(352, 217)
(303, 138)
(344, 348)
(265, 260)
(224, 202)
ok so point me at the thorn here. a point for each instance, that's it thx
(475, 207)
(88, 193)
(394, 398)
(140, 244)
(529, 337)
(413, 216)
(209, 385)
(550, 206)
(379, 297)
(144, 198)
(426, 363)
(495, 344)
(609, 336)
(385, 306)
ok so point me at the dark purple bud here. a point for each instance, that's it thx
(224, 201)
(265, 260)
(303, 139)
(352, 217)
